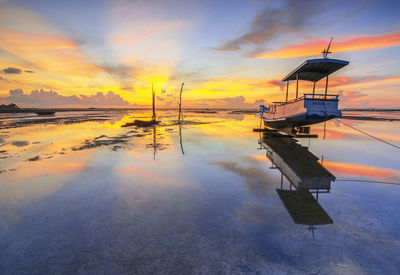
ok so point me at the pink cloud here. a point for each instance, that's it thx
(44, 98)
(360, 43)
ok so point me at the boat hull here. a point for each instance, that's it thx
(301, 112)
(299, 120)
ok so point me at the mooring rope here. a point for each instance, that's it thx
(370, 181)
(365, 133)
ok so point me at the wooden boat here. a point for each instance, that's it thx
(310, 108)
(45, 112)
(146, 123)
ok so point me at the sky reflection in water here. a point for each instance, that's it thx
(151, 205)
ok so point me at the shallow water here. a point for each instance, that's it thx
(90, 196)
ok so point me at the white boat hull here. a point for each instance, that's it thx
(300, 112)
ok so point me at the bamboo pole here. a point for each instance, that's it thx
(297, 85)
(180, 104)
(154, 104)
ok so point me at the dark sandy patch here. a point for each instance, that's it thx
(20, 143)
(170, 129)
(140, 135)
(7, 170)
(185, 122)
(4, 154)
(89, 144)
(116, 141)
(141, 123)
(51, 120)
(157, 146)
(116, 147)
(35, 158)
(105, 140)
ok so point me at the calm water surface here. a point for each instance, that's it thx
(81, 194)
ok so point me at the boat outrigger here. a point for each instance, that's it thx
(293, 115)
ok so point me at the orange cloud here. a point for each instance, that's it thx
(51, 53)
(58, 62)
(361, 170)
(11, 39)
(346, 81)
(220, 88)
(355, 44)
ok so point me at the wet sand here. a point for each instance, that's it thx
(193, 198)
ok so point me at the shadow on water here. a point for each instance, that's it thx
(306, 176)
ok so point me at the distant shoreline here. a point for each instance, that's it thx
(238, 110)
(33, 110)
(372, 109)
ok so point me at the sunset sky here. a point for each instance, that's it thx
(228, 53)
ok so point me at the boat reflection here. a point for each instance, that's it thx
(306, 176)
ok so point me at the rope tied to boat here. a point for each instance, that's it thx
(371, 136)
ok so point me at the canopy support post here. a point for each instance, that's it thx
(287, 90)
(326, 86)
(297, 85)
(313, 90)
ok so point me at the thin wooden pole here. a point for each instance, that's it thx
(154, 99)
(326, 86)
(297, 85)
(180, 104)
(287, 90)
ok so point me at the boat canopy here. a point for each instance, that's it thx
(316, 69)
